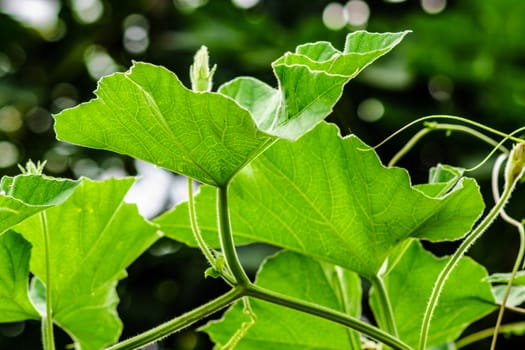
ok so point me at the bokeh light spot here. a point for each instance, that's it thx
(8, 154)
(440, 87)
(87, 11)
(333, 17)
(189, 6)
(98, 62)
(370, 110)
(5, 65)
(245, 4)
(166, 291)
(38, 120)
(433, 7)
(10, 119)
(356, 13)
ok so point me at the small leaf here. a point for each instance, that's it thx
(15, 305)
(466, 297)
(148, 114)
(279, 328)
(93, 237)
(323, 197)
(24, 195)
(519, 279)
(310, 82)
(516, 296)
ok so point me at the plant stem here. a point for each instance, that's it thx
(226, 238)
(408, 146)
(195, 227)
(519, 257)
(431, 126)
(326, 313)
(454, 260)
(387, 314)
(48, 338)
(178, 323)
(518, 328)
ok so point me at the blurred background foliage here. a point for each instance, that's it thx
(464, 58)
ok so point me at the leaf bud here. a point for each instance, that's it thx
(200, 73)
(516, 163)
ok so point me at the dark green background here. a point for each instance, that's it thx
(468, 60)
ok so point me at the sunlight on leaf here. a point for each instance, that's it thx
(148, 114)
(310, 82)
(24, 195)
(14, 271)
(94, 237)
(323, 197)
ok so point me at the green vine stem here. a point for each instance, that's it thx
(326, 313)
(433, 126)
(155, 334)
(448, 117)
(385, 307)
(514, 169)
(195, 227)
(519, 257)
(226, 238)
(48, 338)
(509, 328)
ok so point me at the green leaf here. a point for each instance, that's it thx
(324, 197)
(24, 195)
(148, 114)
(15, 305)
(279, 328)
(93, 237)
(516, 296)
(310, 82)
(519, 279)
(466, 297)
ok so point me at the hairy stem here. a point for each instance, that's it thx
(519, 257)
(454, 260)
(226, 238)
(326, 313)
(385, 307)
(181, 322)
(48, 338)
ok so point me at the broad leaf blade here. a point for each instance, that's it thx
(324, 197)
(24, 195)
(310, 82)
(148, 114)
(15, 305)
(466, 297)
(94, 236)
(280, 328)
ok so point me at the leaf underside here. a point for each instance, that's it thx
(93, 237)
(324, 197)
(148, 114)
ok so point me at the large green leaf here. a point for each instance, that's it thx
(278, 328)
(93, 237)
(324, 197)
(310, 81)
(148, 114)
(24, 195)
(466, 297)
(14, 273)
